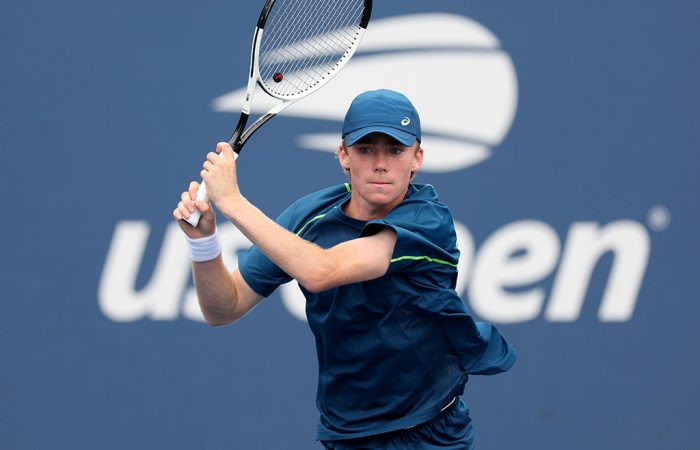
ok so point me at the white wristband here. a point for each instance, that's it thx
(204, 249)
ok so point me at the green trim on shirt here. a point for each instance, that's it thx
(428, 258)
(320, 216)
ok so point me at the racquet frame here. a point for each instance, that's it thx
(239, 136)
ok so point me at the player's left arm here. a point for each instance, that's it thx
(314, 267)
(353, 261)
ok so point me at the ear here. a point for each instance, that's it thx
(343, 157)
(417, 159)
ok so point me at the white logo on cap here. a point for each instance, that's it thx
(405, 121)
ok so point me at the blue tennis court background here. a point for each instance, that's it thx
(107, 112)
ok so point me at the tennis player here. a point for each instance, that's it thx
(376, 259)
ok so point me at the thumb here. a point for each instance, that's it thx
(204, 208)
(224, 149)
(208, 220)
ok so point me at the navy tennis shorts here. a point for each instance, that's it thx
(451, 429)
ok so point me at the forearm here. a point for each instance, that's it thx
(216, 291)
(304, 261)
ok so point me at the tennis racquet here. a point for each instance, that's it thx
(298, 46)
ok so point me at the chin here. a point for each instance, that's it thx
(382, 199)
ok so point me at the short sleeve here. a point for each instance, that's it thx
(426, 237)
(261, 274)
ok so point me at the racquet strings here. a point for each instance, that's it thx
(304, 41)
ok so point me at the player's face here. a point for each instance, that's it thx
(380, 170)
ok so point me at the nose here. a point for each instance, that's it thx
(380, 162)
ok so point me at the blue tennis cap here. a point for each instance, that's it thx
(382, 111)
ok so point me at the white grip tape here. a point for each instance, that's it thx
(204, 197)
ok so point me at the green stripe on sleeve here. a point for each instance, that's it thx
(427, 258)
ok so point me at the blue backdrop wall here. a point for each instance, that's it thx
(563, 135)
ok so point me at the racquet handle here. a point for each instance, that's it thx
(203, 196)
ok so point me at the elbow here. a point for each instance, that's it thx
(218, 322)
(218, 319)
(318, 280)
(315, 286)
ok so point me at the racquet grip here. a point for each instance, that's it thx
(203, 196)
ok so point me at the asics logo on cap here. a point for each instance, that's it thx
(405, 121)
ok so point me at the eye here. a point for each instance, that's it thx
(396, 150)
(364, 149)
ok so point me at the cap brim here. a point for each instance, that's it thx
(405, 138)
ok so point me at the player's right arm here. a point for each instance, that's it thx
(224, 296)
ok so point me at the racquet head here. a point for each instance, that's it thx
(304, 43)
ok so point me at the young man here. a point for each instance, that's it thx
(377, 262)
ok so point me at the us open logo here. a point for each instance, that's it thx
(461, 81)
